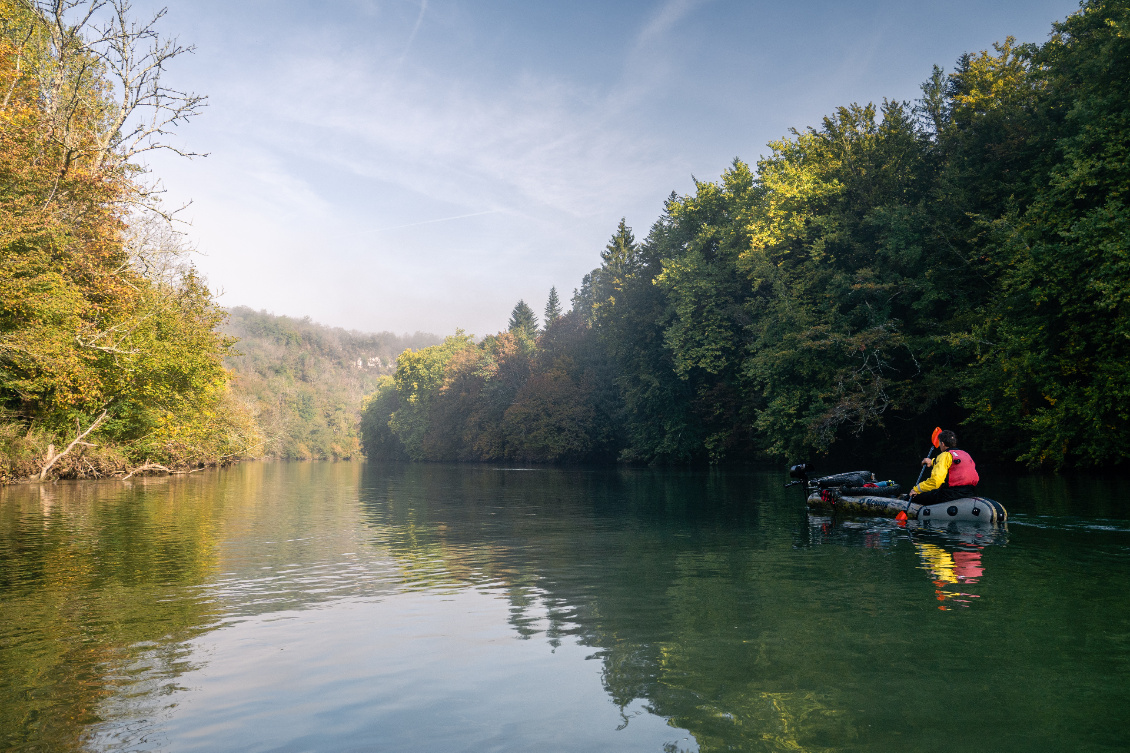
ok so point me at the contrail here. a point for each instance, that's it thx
(411, 37)
(424, 222)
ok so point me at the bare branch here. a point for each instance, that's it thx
(135, 57)
(52, 459)
(106, 348)
(146, 466)
(157, 250)
(131, 57)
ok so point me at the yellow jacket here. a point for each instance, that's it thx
(941, 470)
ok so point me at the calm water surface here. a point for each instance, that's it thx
(351, 607)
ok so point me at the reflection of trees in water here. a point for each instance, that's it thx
(679, 603)
(714, 601)
(103, 584)
(97, 593)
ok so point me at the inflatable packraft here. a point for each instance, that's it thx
(859, 493)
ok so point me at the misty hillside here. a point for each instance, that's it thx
(305, 381)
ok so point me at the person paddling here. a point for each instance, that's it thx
(953, 474)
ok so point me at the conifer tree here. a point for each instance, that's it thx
(523, 321)
(552, 307)
(621, 253)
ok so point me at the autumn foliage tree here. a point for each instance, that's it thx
(544, 398)
(99, 310)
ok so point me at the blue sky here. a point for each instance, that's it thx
(423, 164)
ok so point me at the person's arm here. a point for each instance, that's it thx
(941, 469)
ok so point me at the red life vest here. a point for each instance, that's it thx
(963, 471)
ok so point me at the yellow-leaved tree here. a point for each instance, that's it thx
(108, 342)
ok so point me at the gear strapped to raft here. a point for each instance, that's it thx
(860, 493)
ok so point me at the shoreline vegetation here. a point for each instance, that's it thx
(961, 260)
(302, 383)
(107, 334)
(115, 358)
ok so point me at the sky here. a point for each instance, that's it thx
(421, 165)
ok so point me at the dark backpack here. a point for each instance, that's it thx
(853, 478)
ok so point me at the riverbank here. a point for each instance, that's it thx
(36, 456)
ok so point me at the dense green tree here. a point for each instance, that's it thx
(627, 311)
(523, 322)
(479, 384)
(851, 294)
(552, 400)
(706, 319)
(552, 307)
(1051, 380)
(377, 438)
(566, 410)
(572, 347)
(550, 419)
(419, 378)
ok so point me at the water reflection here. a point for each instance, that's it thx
(950, 554)
(951, 569)
(338, 606)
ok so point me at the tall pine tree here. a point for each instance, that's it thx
(523, 321)
(552, 307)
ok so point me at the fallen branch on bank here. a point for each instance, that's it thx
(147, 466)
(52, 458)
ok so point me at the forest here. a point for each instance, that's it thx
(304, 382)
(961, 260)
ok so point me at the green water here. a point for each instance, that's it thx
(345, 607)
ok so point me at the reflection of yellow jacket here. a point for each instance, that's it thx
(938, 560)
(941, 470)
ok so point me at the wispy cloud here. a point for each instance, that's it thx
(504, 145)
(665, 18)
(531, 145)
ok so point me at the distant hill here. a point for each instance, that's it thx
(305, 381)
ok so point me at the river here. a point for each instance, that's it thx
(365, 607)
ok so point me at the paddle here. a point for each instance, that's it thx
(929, 454)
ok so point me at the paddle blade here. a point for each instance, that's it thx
(901, 516)
(934, 436)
